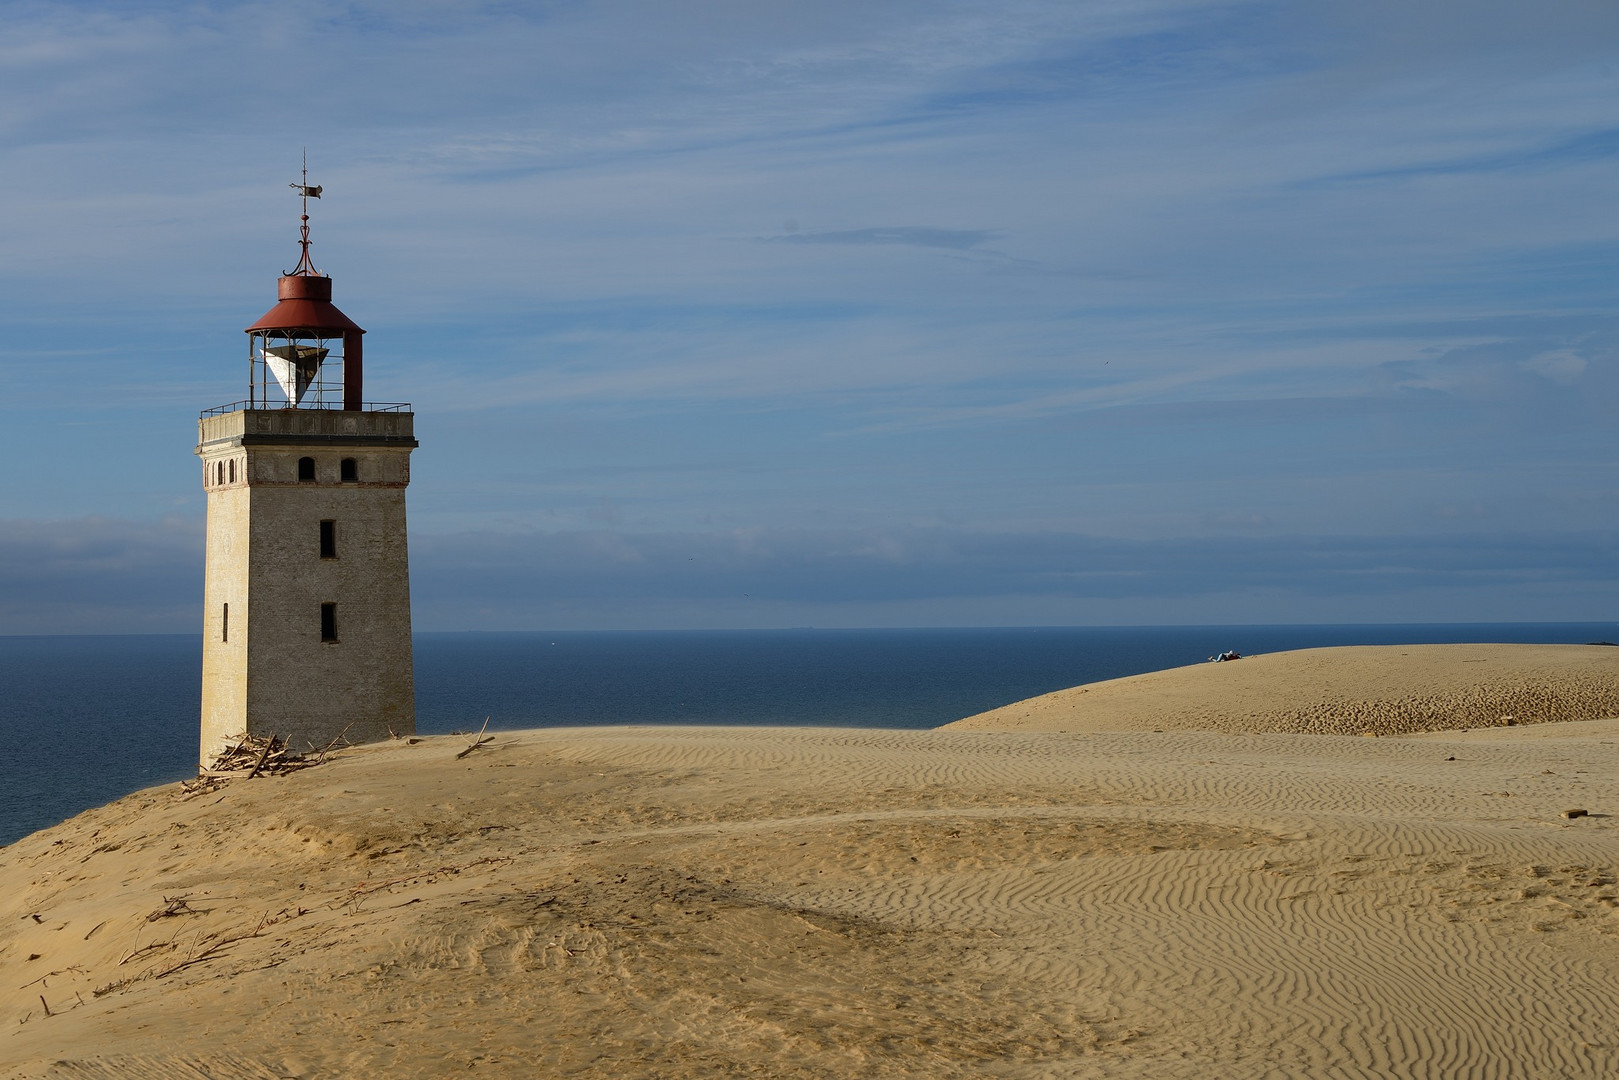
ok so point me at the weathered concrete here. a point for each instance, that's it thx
(271, 673)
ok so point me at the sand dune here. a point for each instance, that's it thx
(1368, 689)
(654, 902)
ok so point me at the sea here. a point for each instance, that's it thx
(85, 720)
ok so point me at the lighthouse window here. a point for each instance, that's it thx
(224, 624)
(306, 470)
(233, 470)
(328, 539)
(349, 472)
(328, 622)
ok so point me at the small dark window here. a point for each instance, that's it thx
(306, 470)
(328, 622)
(328, 539)
(233, 470)
(224, 624)
(349, 472)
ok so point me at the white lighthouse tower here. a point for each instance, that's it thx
(306, 609)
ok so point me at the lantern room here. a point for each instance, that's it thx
(304, 352)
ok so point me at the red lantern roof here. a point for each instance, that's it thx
(306, 305)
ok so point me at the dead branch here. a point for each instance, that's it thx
(51, 974)
(210, 953)
(340, 737)
(172, 906)
(479, 741)
(119, 984)
(146, 949)
(259, 764)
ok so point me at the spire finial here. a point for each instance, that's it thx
(305, 193)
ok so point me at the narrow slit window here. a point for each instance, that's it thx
(328, 539)
(328, 622)
(306, 470)
(224, 623)
(349, 471)
(233, 470)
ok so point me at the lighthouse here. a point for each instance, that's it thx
(306, 599)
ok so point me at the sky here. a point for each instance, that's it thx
(875, 313)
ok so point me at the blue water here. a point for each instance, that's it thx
(84, 720)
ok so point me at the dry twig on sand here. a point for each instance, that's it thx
(479, 741)
(212, 952)
(172, 906)
(340, 737)
(269, 744)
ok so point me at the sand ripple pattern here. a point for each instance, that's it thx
(1365, 690)
(799, 903)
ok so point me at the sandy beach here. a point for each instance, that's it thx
(1212, 872)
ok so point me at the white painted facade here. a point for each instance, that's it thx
(272, 663)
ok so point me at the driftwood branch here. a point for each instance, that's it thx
(172, 906)
(479, 741)
(210, 953)
(269, 745)
(340, 737)
(50, 975)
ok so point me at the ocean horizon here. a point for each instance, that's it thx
(88, 719)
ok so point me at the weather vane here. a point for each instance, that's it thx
(305, 193)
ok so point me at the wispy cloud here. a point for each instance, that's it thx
(1144, 268)
(913, 235)
(1594, 147)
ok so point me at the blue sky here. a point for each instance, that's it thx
(881, 313)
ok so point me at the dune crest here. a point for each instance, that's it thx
(1365, 689)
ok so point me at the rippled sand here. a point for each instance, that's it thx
(653, 902)
(1360, 690)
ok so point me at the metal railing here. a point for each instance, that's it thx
(365, 406)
